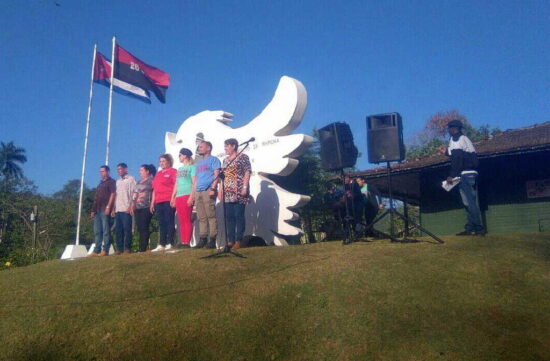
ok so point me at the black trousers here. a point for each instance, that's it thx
(167, 222)
(143, 220)
(371, 212)
(355, 210)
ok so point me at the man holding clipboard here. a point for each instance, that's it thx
(464, 164)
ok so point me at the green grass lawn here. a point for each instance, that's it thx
(469, 299)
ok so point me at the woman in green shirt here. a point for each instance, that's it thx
(184, 196)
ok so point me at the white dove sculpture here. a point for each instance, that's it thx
(272, 152)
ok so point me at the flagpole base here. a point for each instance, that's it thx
(73, 251)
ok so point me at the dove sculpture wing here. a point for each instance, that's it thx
(272, 152)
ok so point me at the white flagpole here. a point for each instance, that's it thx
(85, 147)
(110, 101)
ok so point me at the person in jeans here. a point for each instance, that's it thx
(163, 187)
(208, 169)
(141, 203)
(235, 191)
(101, 212)
(184, 196)
(464, 164)
(125, 186)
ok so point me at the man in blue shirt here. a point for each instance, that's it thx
(208, 169)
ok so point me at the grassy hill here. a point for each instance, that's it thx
(469, 299)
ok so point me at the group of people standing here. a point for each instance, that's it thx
(169, 192)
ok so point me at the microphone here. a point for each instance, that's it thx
(248, 141)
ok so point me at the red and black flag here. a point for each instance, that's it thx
(102, 75)
(131, 70)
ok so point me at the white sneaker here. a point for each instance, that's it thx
(168, 247)
(158, 249)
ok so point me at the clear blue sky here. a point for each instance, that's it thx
(488, 59)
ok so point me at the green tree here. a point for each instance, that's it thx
(56, 225)
(309, 179)
(11, 157)
(71, 190)
(69, 195)
(434, 134)
(14, 212)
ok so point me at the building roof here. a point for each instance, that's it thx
(513, 141)
(518, 140)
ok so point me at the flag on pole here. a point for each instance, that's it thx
(102, 75)
(131, 70)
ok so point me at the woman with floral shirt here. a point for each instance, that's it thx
(235, 191)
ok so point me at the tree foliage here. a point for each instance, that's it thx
(55, 227)
(434, 134)
(55, 224)
(11, 177)
(309, 179)
(11, 159)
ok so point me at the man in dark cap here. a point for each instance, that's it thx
(464, 164)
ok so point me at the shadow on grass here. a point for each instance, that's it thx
(49, 352)
(171, 293)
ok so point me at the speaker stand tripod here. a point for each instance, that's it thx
(349, 218)
(392, 212)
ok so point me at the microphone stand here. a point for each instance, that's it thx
(226, 250)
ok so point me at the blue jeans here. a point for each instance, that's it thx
(235, 220)
(468, 193)
(167, 222)
(123, 228)
(102, 231)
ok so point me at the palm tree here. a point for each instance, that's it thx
(10, 156)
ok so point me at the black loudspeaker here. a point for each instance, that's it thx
(385, 138)
(337, 148)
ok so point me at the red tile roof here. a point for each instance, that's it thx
(519, 140)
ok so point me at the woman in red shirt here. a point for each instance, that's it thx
(163, 187)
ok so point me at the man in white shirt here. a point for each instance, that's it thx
(464, 164)
(125, 186)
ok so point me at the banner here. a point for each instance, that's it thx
(102, 75)
(131, 70)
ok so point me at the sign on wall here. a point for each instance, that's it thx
(273, 152)
(538, 188)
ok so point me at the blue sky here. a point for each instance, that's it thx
(488, 59)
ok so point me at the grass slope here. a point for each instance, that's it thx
(469, 299)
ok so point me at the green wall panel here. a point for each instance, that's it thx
(520, 217)
(499, 218)
(444, 222)
(503, 196)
